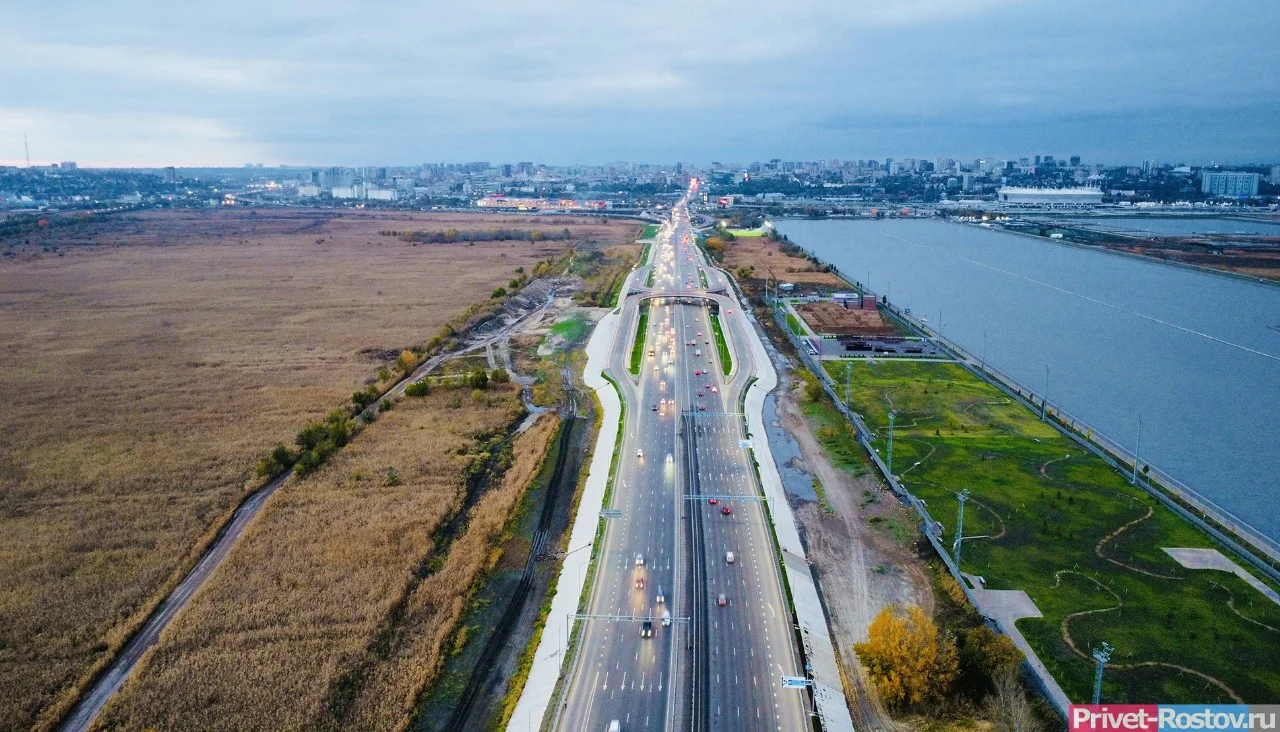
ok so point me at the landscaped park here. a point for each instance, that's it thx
(1049, 518)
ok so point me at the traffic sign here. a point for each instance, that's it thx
(744, 444)
(795, 682)
(610, 513)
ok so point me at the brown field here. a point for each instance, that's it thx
(827, 317)
(144, 381)
(1263, 263)
(764, 257)
(285, 635)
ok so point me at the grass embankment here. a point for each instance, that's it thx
(794, 322)
(637, 344)
(650, 231)
(726, 359)
(702, 276)
(349, 582)
(604, 271)
(1051, 519)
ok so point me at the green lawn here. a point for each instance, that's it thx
(1048, 504)
(572, 330)
(794, 322)
(746, 232)
(637, 347)
(650, 231)
(726, 360)
(702, 274)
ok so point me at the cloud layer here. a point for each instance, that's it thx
(150, 83)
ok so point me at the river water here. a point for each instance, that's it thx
(1195, 356)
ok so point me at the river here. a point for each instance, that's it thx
(1194, 355)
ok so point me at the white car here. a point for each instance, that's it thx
(640, 453)
(639, 560)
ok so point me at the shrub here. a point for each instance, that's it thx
(478, 379)
(418, 388)
(500, 376)
(406, 362)
(499, 292)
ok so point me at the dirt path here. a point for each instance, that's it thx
(1109, 537)
(861, 570)
(1071, 643)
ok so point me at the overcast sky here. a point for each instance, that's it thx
(120, 82)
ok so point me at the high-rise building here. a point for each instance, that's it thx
(1075, 161)
(170, 175)
(1037, 161)
(1275, 175)
(68, 165)
(1229, 183)
(1148, 166)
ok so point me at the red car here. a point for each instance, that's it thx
(722, 600)
(702, 407)
(726, 510)
(713, 501)
(640, 583)
(697, 372)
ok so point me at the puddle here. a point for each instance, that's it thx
(786, 452)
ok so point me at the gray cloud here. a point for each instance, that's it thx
(581, 81)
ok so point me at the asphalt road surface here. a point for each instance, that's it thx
(715, 666)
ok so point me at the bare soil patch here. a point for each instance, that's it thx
(828, 317)
(149, 369)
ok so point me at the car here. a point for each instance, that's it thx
(710, 386)
(653, 408)
(639, 560)
(697, 372)
(646, 629)
(701, 394)
(661, 597)
(726, 510)
(640, 453)
(715, 390)
(728, 557)
(713, 501)
(722, 600)
(702, 407)
(614, 726)
(666, 618)
(639, 583)
(699, 334)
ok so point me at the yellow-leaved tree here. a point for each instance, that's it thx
(911, 663)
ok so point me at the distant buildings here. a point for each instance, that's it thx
(1049, 197)
(1229, 183)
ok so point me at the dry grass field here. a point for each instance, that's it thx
(764, 257)
(148, 368)
(332, 610)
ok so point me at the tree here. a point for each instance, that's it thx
(1008, 706)
(417, 388)
(911, 664)
(499, 292)
(406, 361)
(478, 379)
(500, 376)
(984, 656)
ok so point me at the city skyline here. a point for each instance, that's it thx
(329, 85)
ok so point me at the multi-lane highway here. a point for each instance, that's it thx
(679, 634)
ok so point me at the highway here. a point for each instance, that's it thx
(714, 666)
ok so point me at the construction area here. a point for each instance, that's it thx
(829, 318)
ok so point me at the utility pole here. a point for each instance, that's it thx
(1044, 400)
(1101, 655)
(984, 351)
(892, 415)
(955, 548)
(26, 148)
(1136, 447)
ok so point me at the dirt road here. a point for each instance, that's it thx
(861, 568)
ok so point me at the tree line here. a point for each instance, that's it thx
(447, 236)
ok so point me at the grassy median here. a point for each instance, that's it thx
(637, 346)
(1051, 519)
(726, 359)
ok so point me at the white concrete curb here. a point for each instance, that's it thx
(548, 659)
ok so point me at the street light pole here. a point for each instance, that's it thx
(1101, 656)
(1136, 447)
(955, 548)
(892, 415)
(1044, 400)
(848, 376)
